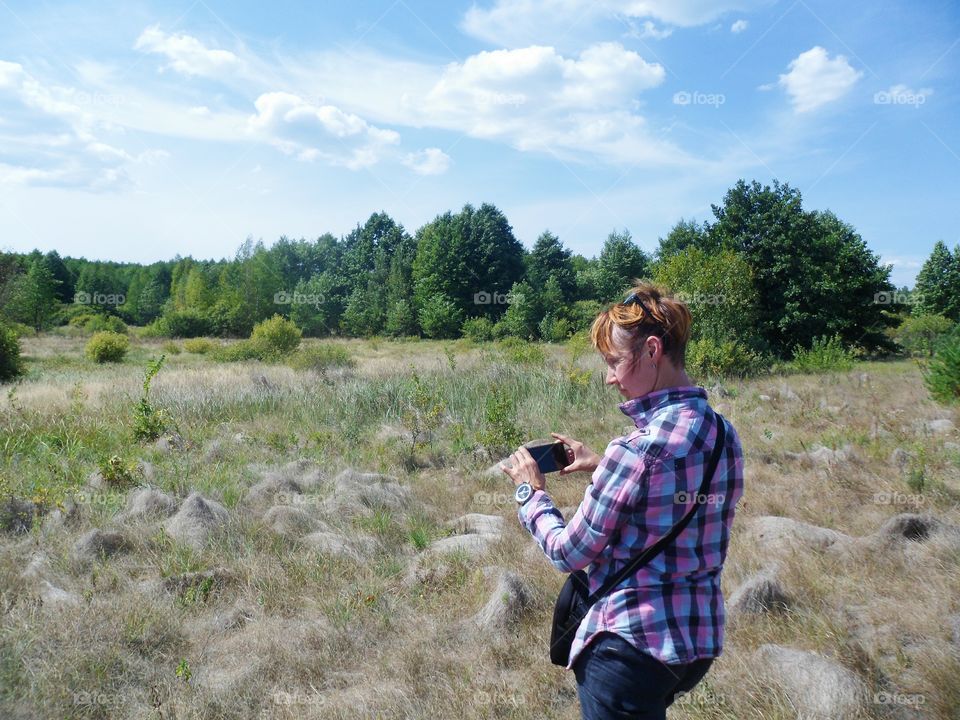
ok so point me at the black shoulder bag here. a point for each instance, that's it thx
(575, 600)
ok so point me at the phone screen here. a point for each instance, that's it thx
(550, 457)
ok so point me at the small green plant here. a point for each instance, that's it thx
(942, 377)
(825, 355)
(107, 346)
(197, 593)
(149, 422)
(183, 671)
(451, 357)
(423, 414)
(119, 473)
(500, 433)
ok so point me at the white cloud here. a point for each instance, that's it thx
(539, 100)
(650, 31)
(514, 23)
(187, 55)
(429, 161)
(311, 132)
(814, 79)
(739, 26)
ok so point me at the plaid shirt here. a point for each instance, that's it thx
(673, 607)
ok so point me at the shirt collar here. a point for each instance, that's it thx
(640, 409)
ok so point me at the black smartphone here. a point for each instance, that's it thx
(550, 457)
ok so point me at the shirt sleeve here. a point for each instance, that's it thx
(616, 488)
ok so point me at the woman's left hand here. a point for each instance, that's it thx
(524, 469)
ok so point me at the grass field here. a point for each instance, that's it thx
(263, 618)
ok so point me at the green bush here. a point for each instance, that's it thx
(278, 335)
(199, 346)
(919, 334)
(184, 324)
(241, 350)
(478, 329)
(554, 329)
(710, 358)
(108, 323)
(82, 319)
(11, 365)
(320, 357)
(521, 351)
(943, 374)
(171, 348)
(149, 422)
(440, 317)
(107, 346)
(826, 355)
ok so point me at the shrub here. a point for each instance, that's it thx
(440, 317)
(277, 335)
(479, 329)
(241, 350)
(826, 355)
(709, 358)
(107, 346)
(554, 329)
(199, 346)
(185, 324)
(501, 433)
(943, 374)
(82, 319)
(320, 357)
(919, 334)
(522, 352)
(10, 363)
(109, 323)
(171, 348)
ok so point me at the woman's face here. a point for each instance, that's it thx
(634, 373)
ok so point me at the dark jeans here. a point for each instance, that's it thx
(615, 680)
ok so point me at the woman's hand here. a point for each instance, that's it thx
(580, 457)
(523, 468)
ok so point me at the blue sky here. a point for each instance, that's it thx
(136, 131)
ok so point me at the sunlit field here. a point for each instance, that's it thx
(335, 541)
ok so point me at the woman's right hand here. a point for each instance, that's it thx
(580, 457)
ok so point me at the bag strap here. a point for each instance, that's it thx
(653, 550)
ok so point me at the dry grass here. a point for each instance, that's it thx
(284, 631)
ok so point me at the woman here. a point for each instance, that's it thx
(655, 635)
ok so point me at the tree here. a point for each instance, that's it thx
(33, 298)
(813, 273)
(937, 290)
(685, 234)
(550, 259)
(620, 262)
(440, 317)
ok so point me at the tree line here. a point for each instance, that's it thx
(763, 273)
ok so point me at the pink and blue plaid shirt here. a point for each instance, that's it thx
(673, 607)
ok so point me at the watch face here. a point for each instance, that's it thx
(524, 491)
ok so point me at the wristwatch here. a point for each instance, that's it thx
(524, 492)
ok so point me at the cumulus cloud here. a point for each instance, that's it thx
(537, 99)
(187, 55)
(739, 26)
(815, 79)
(429, 161)
(519, 22)
(310, 132)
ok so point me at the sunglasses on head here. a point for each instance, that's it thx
(634, 298)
